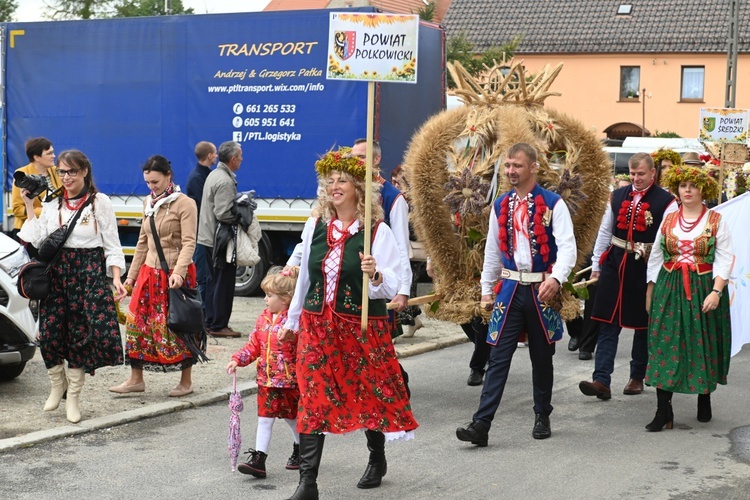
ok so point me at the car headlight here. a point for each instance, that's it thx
(12, 262)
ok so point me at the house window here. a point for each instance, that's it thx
(630, 82)
(692, 83)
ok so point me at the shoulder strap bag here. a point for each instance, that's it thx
(184, 309)
(33, 278)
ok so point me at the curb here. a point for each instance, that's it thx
(155, 410)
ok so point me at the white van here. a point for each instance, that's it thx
(631, 145)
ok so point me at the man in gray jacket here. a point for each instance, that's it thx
(216, 207)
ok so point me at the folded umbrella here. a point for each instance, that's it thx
(235, 436)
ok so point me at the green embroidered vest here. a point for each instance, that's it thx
(348, 299)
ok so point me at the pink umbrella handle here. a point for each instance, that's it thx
(234, 383)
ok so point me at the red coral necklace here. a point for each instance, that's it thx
(74, 204)
(334, 240)
(689, 226)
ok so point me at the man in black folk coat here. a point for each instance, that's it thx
(620, 260)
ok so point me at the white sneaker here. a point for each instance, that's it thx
(523, 344)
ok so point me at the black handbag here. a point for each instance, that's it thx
(34, 277)
(184, 310)
(52, 244)
(33, 280)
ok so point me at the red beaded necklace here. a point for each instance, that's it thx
(333, 240)
(689, 226)
(75, 204)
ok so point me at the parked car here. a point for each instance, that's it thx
(18, 329)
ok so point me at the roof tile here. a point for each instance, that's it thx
(586, 26)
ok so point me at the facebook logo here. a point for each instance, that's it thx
(237, 136)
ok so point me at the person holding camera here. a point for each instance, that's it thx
(38, 177)
(78, 319)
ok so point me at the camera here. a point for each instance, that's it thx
(36, 184)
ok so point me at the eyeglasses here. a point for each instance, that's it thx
(69, 173)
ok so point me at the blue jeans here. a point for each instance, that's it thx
(606, 350)
(522, 317)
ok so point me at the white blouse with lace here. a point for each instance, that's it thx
(384, 249)
(96, 227)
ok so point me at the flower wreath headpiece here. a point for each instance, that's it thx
(623, 177)
(341, 161)
(666, 154)
(709, 188)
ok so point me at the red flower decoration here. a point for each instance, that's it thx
(625, 216)
(539, 231)
(502, 221)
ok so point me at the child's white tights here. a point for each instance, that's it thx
(265, 426)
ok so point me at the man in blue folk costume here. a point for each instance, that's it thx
(529, 253)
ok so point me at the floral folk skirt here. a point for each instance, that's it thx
(688, 350)
(78, 320)
(149, 344)
(347, 380)
(278, 402)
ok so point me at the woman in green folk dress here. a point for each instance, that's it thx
(689, 327)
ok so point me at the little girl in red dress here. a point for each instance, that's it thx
(278, 393)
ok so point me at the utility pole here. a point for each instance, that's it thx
(733, 39)
(167, 7)
(643, 122)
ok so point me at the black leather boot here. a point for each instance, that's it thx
(255, 465)
(376, 465)
(704, 408)
(310, 453)
(664, 416)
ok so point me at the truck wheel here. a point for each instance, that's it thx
(10, 372)
(247, 280)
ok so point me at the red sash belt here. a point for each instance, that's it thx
(686, 268)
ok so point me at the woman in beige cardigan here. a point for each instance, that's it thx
(149, 344)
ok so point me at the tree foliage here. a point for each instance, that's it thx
(667, 135)
(99, 9)
(7, 8)
(138, 8)
(427, 13)
(460, 48)
(77, 9)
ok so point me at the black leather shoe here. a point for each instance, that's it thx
(475, 378)
(573, 344)
(541, 427)
(584, 355)
(475, 433)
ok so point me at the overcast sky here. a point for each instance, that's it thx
(31, 10)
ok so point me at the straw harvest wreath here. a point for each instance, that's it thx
(454, 167)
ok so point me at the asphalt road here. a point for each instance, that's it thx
(598, 449)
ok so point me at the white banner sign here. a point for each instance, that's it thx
(724, 125)
(734, 213)
(373, 47)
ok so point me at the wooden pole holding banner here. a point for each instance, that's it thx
(396, 35)
(368, 199)
(721, 173)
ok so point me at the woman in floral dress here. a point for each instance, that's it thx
(78, 320)
(348, 379)
(149, 344)
(689, 325)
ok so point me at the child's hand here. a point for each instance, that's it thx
(286, 335)
(231, 367)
